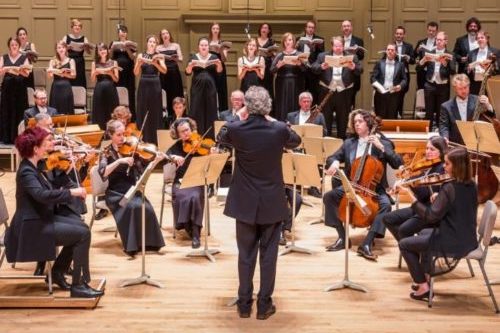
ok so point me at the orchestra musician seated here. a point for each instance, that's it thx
(303, 116)
(37, 228)
(237, 102)
(453, 215)
(40, 96)
(364, 143)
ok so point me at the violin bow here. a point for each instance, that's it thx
(139, 138)
(202, 137)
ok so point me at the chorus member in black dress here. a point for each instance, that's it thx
(29, 50)
(437, 79)
(265, 40)
(123, 51)
(113, 167)
(171, 82)
(76, 52)
(362, 123)
(341, 80)
(406, 55)
(214, 39)
(466, 43)
(453, 215)
(105, 98)
(404, 222)
(179, 110)
(62, 70)
(251, 66)
(391, 76)
(148, 66)
(351, 44)
(14, 96)
(485, 55)
(204, 67)
(36, 229)
(425, 45)
(289, 78)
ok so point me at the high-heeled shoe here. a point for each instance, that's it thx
(421, 297)
(59, 279)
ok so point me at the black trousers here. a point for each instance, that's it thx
(253, 238)
(414, 250)
(287, 225)
(386, 105)
(403, 223)
(74, 237)
(435, 95)
(340, 103)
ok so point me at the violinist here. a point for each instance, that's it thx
(404, 222)
(362, 123)
(123, 114)
(122, 172)
(453, 215)
(179, 108)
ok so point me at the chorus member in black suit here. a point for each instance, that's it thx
(265, 40)
(29, 50)
(256, 197)
(179, 110)
(251, 66)
(215, 39)
(148, 66)
(391, 75)
(313, 44)
(341, 80)
(237, 102)
(303, 115)
(289, 82)
(36, 229)
(40, 96)
(460, 107)
(453, 215)
(105, 98)
(361, 122)
(76, 52)
(425, 45)
(438, 74)
(484, 54)
(404, 222)
(171, 82)
(466, 43)
(203, 106)
(123, 51)
(123, 173)
(406, 55)
(62, 70)
(14, 96)
(351, 44)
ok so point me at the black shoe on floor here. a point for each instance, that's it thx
(283, 240)
(40, 268)
(84, 291)
(101, 214)
(366, 252)
(268, 313)
(337, 246)
(195, 243)
(244, 313)
(59, 279)
(314, 192)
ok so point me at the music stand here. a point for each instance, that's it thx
(141, 186)
(299, 169)
(352, 199)
(204, 171)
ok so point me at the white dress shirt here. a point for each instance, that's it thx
(389, 74)
(347, 41)
(436, 77)
(360, 150)
(472, 42)
(482, 54)
(303, 116)
(462, 107)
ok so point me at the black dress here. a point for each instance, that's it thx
(268, 81)
(289, 84)
(203, 97)
(80, 80)
(14, 101)
(250, 78)
(127, 77)
(221, 83)
(30, 80)
(149, 99)
(129, 218)
(105, 98)
(61, 94)
(171, 82)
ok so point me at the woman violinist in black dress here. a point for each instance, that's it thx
(264, 40)
(76, 52)
(251, 67)
(123, 173)
(289, 81)
(14, 96)
(123, 52)
(148, 66)
(214, 39)
(28, 49)
(171, 81)
(105, 99)
(204, 67)
(62, 69)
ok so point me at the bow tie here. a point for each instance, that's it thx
(390, 62)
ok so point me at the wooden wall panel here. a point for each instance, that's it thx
(487, 6)
(10, 3)
(335, 5)
(81, 4)
(160, 4)
(205, 5)
(289, 5)
(9, 27)
(46, 4)
(415, 5)
(44, 28)
(451, 5)
(242, 5)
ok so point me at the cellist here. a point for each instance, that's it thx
(361, 124)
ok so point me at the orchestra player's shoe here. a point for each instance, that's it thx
(101, 214)
(40, 268)
(314, 192)
(268, 313)
(421, 297)
(283, 239)
(84, 291)
(59, 279)
(366, 252)
(195, 243)
(244, 313)
(338, 245)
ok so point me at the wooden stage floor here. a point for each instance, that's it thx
(196, 291)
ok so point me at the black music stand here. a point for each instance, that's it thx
(352, 199)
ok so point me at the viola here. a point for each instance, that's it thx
(198, 144)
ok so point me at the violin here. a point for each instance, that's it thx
(58, 160)
(418, 166)
(134, 147)
(197, 144)
(131, 129)
(428, 180)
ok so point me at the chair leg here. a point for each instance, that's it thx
(94, 208)
(49, 277)
(431, 292)
(2, 257)
(488, 285)
(162, 203)
(470, 268)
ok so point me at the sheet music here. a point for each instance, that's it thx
(268, 51)
(290, 60)
(339, 61)
(203, 64)
(354, 49)
(116, 45)
(380, 88)
(311, 42)
(437, 57)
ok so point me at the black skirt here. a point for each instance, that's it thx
(188, 206)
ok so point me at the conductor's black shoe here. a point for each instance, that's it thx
(338, 245)
(244, 313)
(59, 279)
(268, 313)
(283, 240)
(195, 243)
(101, 214)
(366, 252)
(40, 268)
(314, 191)
(84, 291)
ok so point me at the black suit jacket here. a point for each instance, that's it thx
(33, 111)
(359, 42)
(450, 114)
(419, 54)
(472, 56)
(460, 50)
(257, 191)
(293, 118)
(325, 76)
(399, 78)
(227, 115)
(31, 235)
(445, 72)
(314, 52)
(347, 155)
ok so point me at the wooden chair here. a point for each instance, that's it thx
(122, 96)
(80, 99)
(168, 179)
(4, 222)
(98, 190)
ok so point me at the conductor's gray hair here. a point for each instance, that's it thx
(257, 101)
